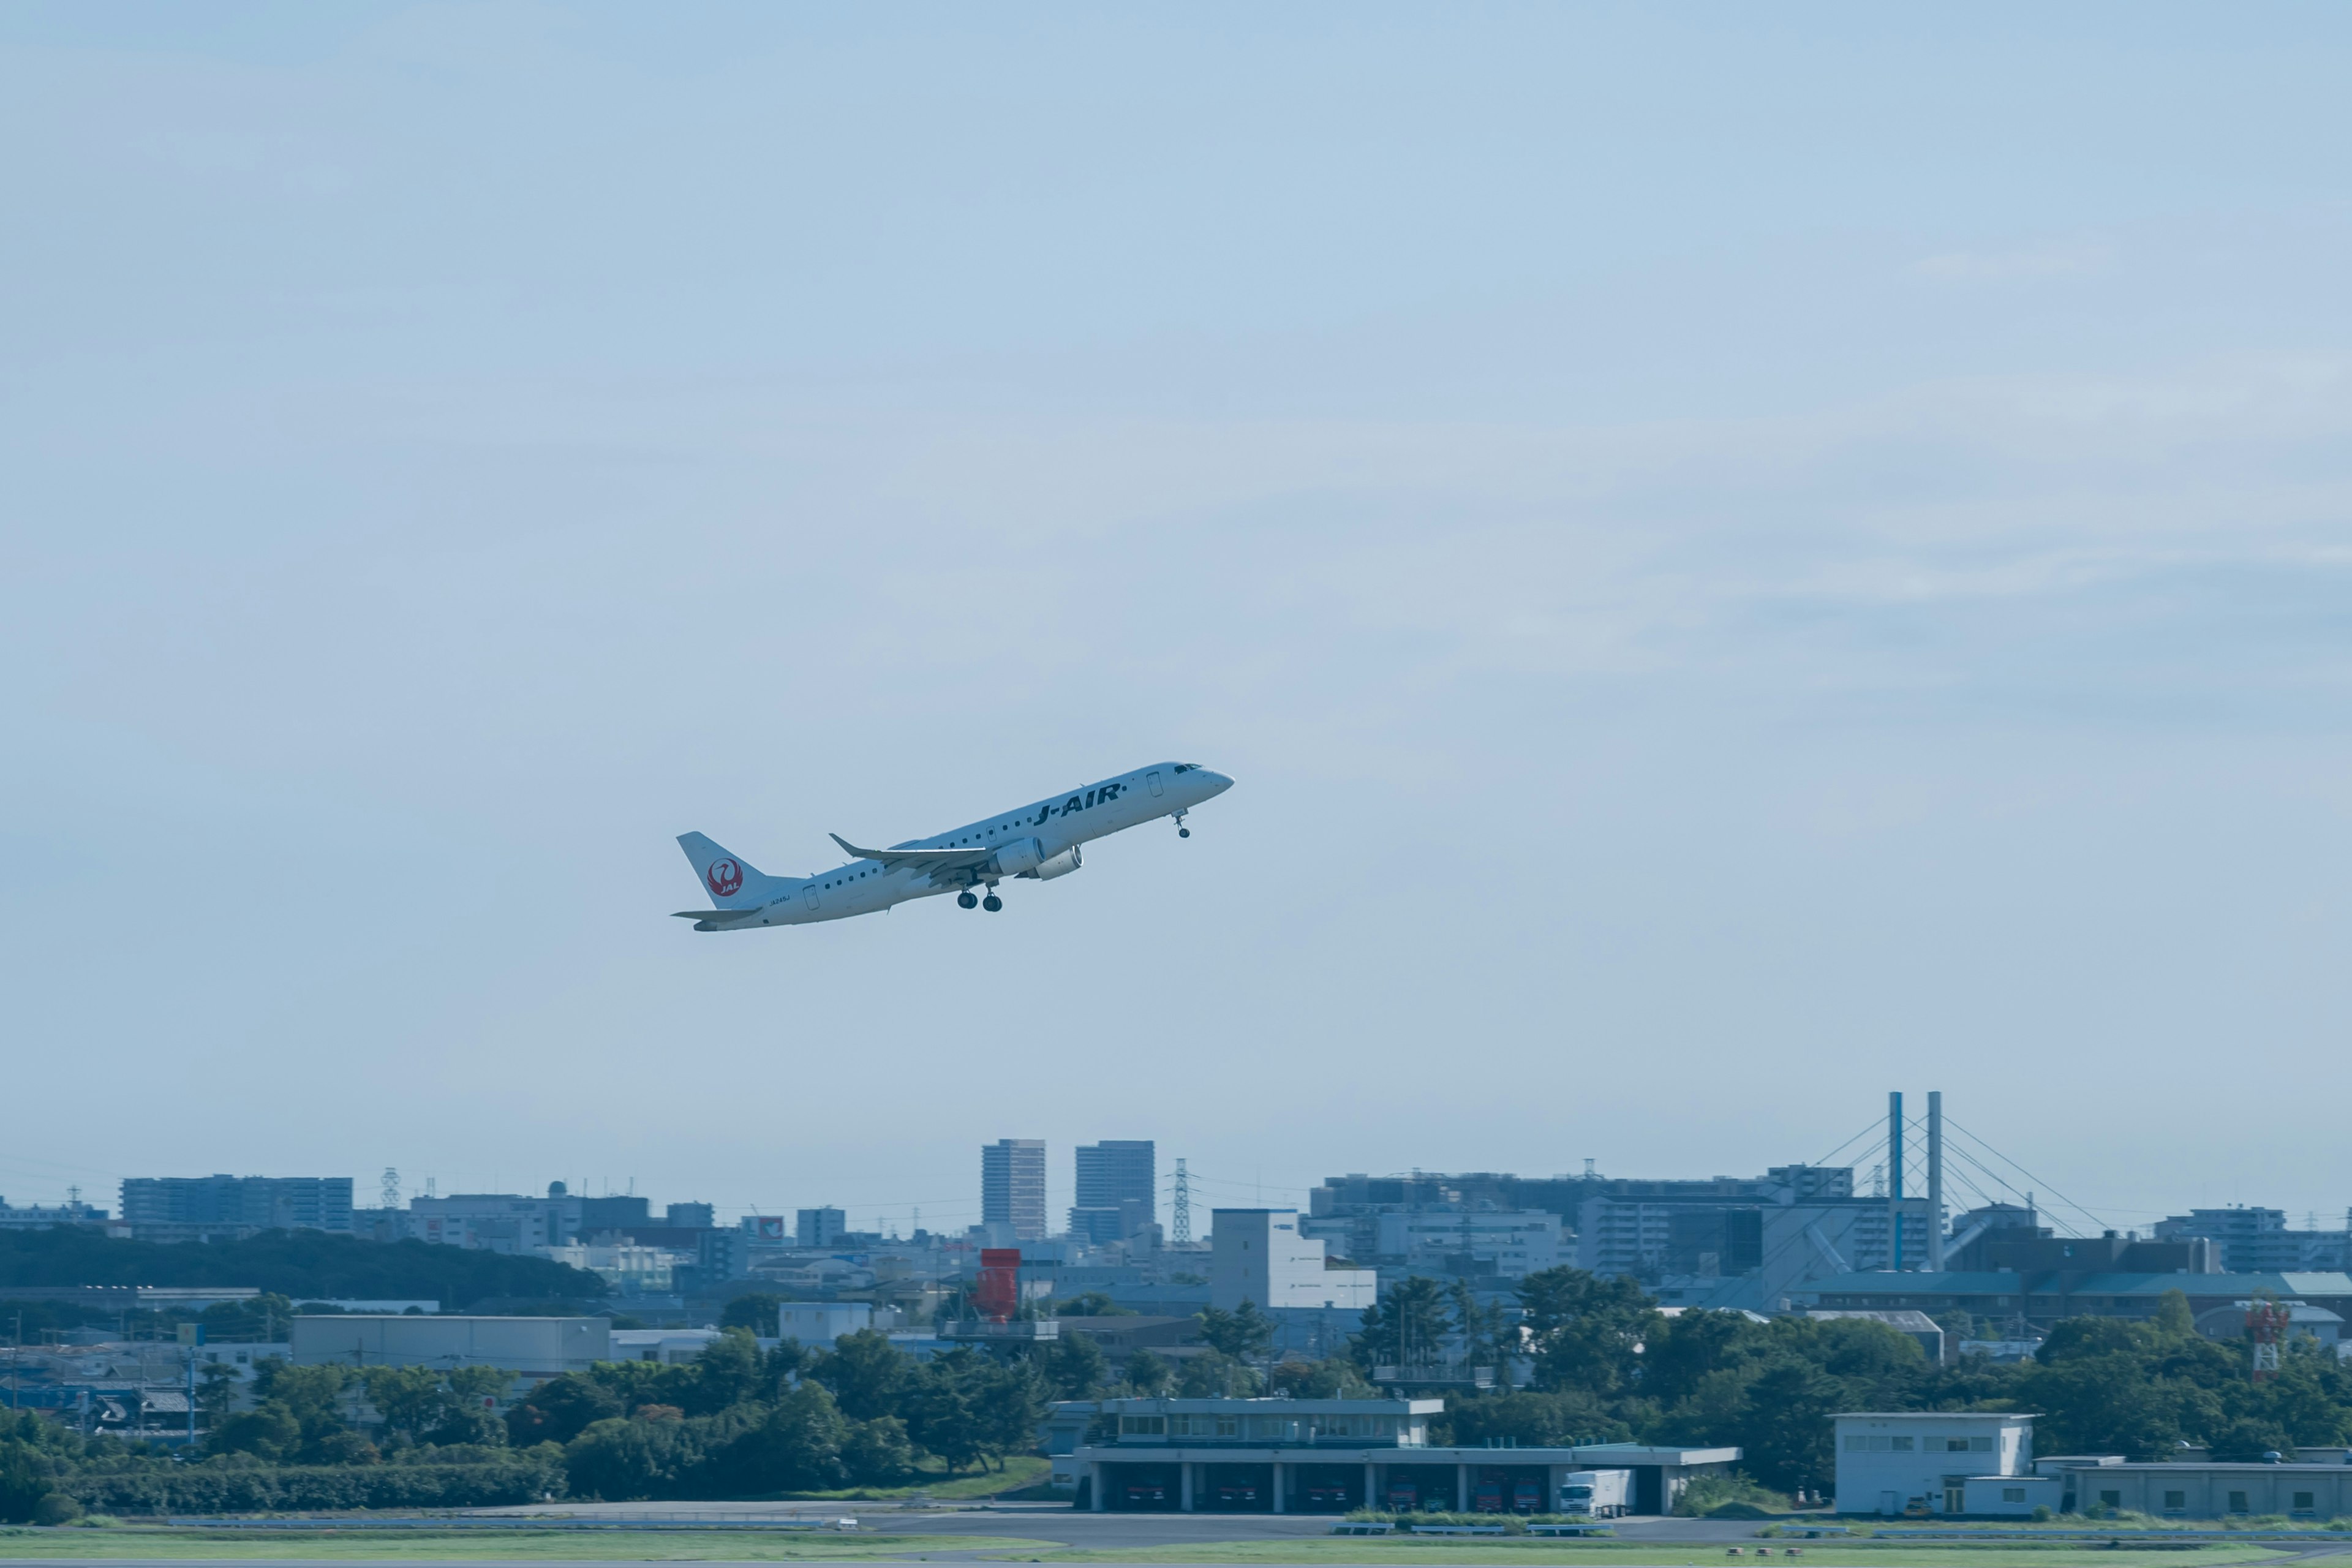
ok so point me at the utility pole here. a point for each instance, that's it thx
(1934, 1180)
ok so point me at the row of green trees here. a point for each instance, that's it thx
(1609, 1366)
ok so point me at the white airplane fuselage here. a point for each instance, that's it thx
(1039, 841)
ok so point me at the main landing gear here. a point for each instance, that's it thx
(1181, 831)
(991, 903)
(966, 899)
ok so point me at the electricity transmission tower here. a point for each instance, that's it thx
(1180, 1232)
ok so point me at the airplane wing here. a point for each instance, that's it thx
(921, 860)
(716, 917)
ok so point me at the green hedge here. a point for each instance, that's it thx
(210, 1489)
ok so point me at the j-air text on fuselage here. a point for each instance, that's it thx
(1039, 841)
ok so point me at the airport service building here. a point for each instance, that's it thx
(1327, 1456)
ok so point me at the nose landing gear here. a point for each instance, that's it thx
(1181, 831)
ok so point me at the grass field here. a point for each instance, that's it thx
(1522, 1551)
(482, 1545)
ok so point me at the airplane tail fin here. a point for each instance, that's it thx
(732, 882)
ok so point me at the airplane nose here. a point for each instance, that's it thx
(1221, 783)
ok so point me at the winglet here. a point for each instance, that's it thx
(850, 849)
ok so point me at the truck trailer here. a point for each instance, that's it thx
(1597, 1494)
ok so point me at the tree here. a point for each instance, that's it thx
(876, 1453)
(1485, 1330)
(866, 1374)
(2173, 1316)
(561, 1408)
(1091, 1304)
(1008, 1402)
(797, 1447)
(1213, 1375)
(1148, 1373)
(1586, 1332)
(755, 1309)
(216, 1392)
(1334, 1377)
(1406, 1327)
(267, 1431)
(939, 1414)
(410, 1398)
(23, 1482)
(1074, 1366)
(1244, 1333)
(729, 1370)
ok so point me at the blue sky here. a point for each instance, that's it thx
(1740, 561)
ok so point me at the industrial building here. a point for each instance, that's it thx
(1967, 1463)
(2316, 1484)
(534, 1348)
(225, 1207)
(1502, 1244)
(1013, 1187)
(2040, 1299)
(1327, 1456)
(1258, 1255)
(2257, 1240)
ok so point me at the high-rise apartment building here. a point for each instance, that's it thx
(237, 1203)
(1117, 1190)
(1012, 1187)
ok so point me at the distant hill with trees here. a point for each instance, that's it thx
(292, 1263)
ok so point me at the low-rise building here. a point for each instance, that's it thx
(2316, 1485)
(535, 1348)
(1943, 1462)
(1329, 1456)
(2042, 1299)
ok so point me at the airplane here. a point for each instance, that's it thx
(1039, 841)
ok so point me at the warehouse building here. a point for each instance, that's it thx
(1327, 1456)
(534, 1348)
(2316, 1485)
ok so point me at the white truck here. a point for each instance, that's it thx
(1597, 1494)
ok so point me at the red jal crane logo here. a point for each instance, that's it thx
(724, 877)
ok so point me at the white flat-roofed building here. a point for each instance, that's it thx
(822, 1322)
(529, 1347)
(1952, 1462)
(1258, 1255)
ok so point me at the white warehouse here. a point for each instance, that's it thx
(1258, 1255)
(1947, 1461)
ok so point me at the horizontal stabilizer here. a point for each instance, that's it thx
(716, 917)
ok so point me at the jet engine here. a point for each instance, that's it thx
(1061, 865)
(1019, 859)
